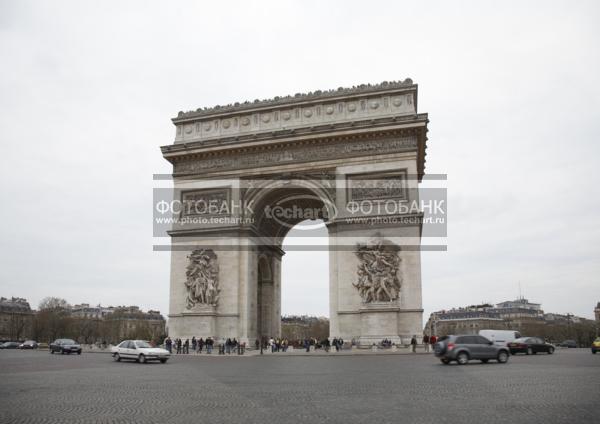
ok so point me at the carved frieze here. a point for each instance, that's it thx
(295, 153)
(202, 279)
(378, 272)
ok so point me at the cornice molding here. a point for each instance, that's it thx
(290, 100)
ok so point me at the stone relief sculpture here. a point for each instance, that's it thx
(378, 279)
(377, 187)
(296, 154)
(202, 281)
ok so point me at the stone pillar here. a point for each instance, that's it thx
(202, 320)
(354, 314)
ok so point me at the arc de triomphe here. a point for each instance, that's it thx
(244, 174)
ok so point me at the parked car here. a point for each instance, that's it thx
(67, 346)
(28, 344)
(530, 346)
(466, 347)
(596, 345)
(500, 337)
(9, 345)
(140, 351)
(568, 343)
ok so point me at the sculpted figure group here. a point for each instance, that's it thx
(378, 279)
(202, 282)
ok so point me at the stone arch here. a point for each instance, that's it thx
(295, 193)
(289, 194)
(245, 153)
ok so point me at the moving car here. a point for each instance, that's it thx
(140, 351)
(9, 345)
(500, 337)
(530, 346)
(568, 343)
(596, 345)
(466, 347)
(28, 344)
(63, 346)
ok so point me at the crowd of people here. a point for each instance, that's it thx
(229, 345)
(282, 344)
(225, 346)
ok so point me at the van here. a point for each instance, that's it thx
(500, 337)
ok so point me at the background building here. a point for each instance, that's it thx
(84, 323)
(521, 315)
(84, 310)
(129, 322)
(295, 327)
(16, 319)
(467, 320)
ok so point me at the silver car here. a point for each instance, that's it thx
(139, 351)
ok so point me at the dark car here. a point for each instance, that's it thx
(530, 346)
(9, 345)
(28, 344)
(65, 346)
(568, 343)
(464, 348)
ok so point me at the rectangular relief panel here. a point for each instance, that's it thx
(213, 201)
(377, 186)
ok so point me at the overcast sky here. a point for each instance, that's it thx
(87, 90)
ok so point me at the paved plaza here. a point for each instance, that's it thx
(38, 387)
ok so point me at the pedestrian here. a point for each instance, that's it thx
(200, 345)
(178, 343)
(432, 340)
(194, 343)
(413, 343)
(186, 346)
(169, 344)
(426, 342)
(209, 345)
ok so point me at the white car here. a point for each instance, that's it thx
(500, 337)
(140, 351)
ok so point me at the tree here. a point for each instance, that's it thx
(53, 319)
(53, 303)
(17, 325)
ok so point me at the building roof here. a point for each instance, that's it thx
(15, 304)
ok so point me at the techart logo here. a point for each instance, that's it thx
(292, 210)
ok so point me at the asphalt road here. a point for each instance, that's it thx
(38, 387)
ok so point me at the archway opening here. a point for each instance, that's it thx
(305, 282)
(293, 259)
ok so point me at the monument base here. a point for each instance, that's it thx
(387, 321)
(199, 321)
